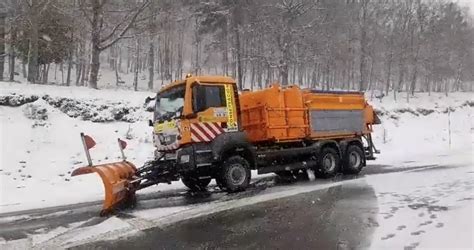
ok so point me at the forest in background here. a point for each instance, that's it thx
(390, 46)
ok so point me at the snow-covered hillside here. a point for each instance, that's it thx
(40, 143)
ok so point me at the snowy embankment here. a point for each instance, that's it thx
(40, 143)
(427, 126)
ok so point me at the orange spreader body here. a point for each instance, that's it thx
(279, 114)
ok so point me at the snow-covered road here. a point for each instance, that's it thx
(398, 207)
(376, 212)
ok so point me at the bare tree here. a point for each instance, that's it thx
(34, 9)
(151, 46)
(93, 10)
(363, 23)
(2, 43)
(409, 45)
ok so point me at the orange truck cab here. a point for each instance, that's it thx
(204, 129)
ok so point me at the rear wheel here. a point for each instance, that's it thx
(328, 163)
(235, 175)
(195, 184)
(353, 160)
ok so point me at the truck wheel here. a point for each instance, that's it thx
(328, 163)
(235, 175)
(353, 160)
(195, 184)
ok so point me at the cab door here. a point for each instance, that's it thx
(215, 111)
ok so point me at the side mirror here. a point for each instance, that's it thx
(148, 99)
(150, 123)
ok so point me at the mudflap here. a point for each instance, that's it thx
(117, 178)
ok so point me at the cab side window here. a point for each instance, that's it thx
(206, 96)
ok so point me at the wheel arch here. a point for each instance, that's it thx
(233, 143)
(319, 145)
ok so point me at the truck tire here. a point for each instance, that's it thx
(195, 184)
(235, 174)
(328, 163)
(353, 160)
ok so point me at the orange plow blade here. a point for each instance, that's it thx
(116, 178)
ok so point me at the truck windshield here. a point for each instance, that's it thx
(170, 103)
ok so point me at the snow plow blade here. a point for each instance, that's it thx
(116, 178)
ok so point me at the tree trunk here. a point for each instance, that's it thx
(94, 68)
(79, 70)
(12, 54)
(326, 76)
(129, 62)
(151, 62)
(69, 63)
(225, 49)
(363, 47)
(371, 74)
(23, 69)
(239, 58)
(197, 48)
(119, 65)
(401, 75)
(117, 77)
(33, 50)
(95, 34)
(389, 72)
(179, 69)
(45, 73)
(80, 62)
(85, 71)
(2, 44)
(61, 68)
(137, 67)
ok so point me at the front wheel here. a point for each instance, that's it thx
(195, 184)
(235, 175)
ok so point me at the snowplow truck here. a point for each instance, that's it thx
(204, 129)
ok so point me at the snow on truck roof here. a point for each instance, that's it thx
(203, 79)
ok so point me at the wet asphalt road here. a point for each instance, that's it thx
(340, 217)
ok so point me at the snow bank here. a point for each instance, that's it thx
(36, 161)
(427, 126)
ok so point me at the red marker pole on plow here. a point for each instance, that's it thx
(88, 143)
(122, 146)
